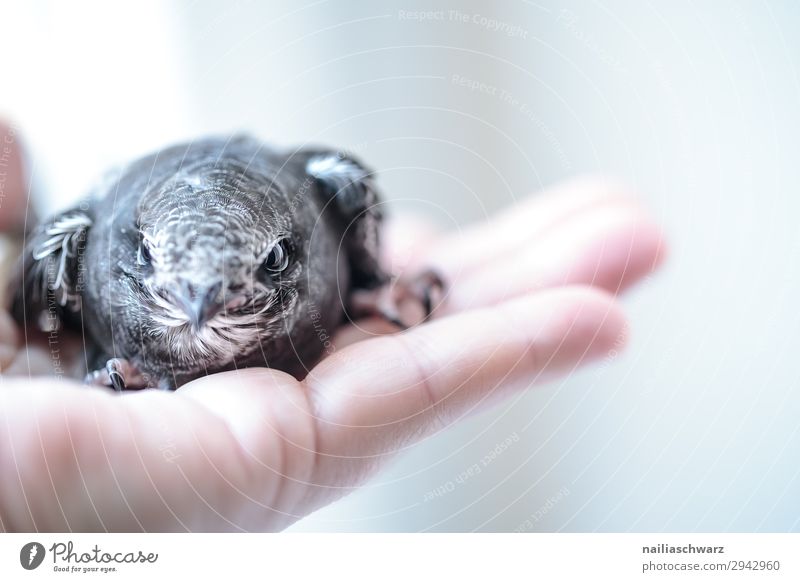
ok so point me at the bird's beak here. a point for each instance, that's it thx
(200, 303)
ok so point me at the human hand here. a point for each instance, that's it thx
(530, 297)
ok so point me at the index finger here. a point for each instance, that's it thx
(377, 396)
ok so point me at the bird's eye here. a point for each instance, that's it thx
(278, 257)
(143, 255)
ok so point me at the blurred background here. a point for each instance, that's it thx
(465, 107)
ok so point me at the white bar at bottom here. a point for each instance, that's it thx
(402, 557)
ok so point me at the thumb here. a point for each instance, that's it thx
(13, 181)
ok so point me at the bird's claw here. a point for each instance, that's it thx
(425, 290)
(117, 380)
(118, 374)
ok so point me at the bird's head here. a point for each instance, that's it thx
(217, 260)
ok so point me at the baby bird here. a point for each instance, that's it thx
(213, 255)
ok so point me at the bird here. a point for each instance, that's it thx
(217, 254)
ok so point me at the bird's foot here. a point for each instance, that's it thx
(403, 302)
(118, 374)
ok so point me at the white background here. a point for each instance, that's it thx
(696, 104)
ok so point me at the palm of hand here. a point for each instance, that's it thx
(257, 450)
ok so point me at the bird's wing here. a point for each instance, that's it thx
(46, 288)
(349, 190)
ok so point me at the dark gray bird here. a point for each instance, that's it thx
(210, 256)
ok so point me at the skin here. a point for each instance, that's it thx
(258, 450)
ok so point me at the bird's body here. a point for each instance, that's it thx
(208, 256)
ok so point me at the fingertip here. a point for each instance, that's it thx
(649, 248)
(646, 243)
(582, 324)
(604, 322)
(631, 252)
